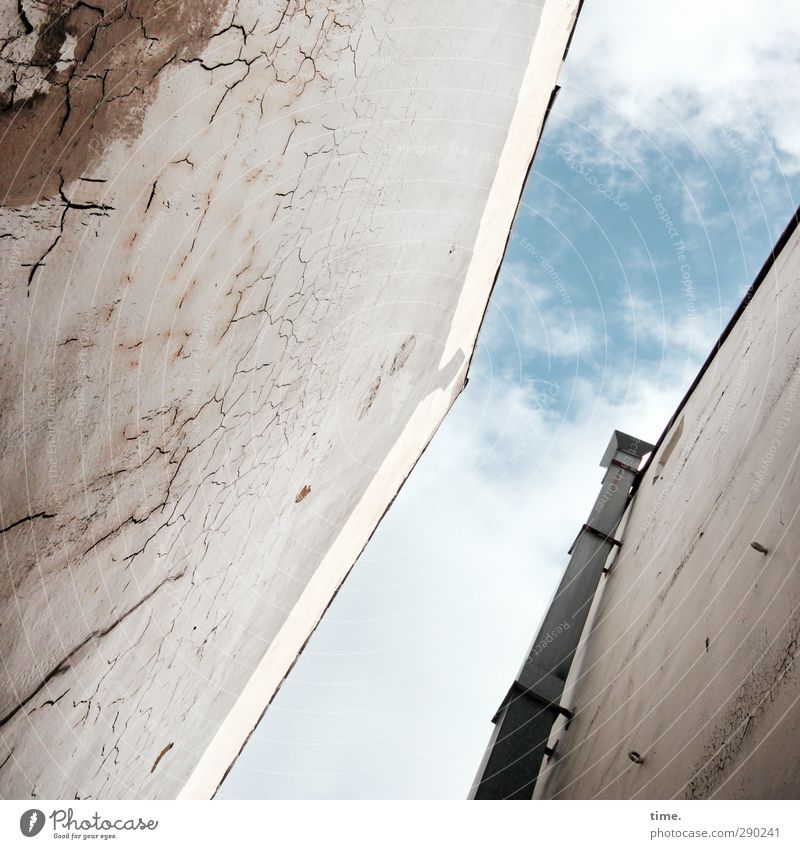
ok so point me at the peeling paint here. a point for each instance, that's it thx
(64, 103)
(227, 219)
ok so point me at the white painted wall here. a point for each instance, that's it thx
(247, 248)
(691, 658)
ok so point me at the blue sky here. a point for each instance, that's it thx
(667, 171)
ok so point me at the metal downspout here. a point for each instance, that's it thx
(523, 723)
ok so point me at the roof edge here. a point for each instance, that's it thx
(777, 249)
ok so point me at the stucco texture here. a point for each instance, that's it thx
(246, 251)
(691, 660)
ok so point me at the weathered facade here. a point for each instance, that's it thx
(686, 685)
(247, 247)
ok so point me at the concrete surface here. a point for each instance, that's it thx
(689, 658)
(246, 251)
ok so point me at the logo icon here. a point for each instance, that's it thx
(31, 822)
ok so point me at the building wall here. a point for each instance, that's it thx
(690, 660)
(247, 248)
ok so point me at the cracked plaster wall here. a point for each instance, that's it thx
(692, 659)
(246, 250)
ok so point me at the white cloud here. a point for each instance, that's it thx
(529, 313)
(394, 694)
(688, 334)
(714, 74)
